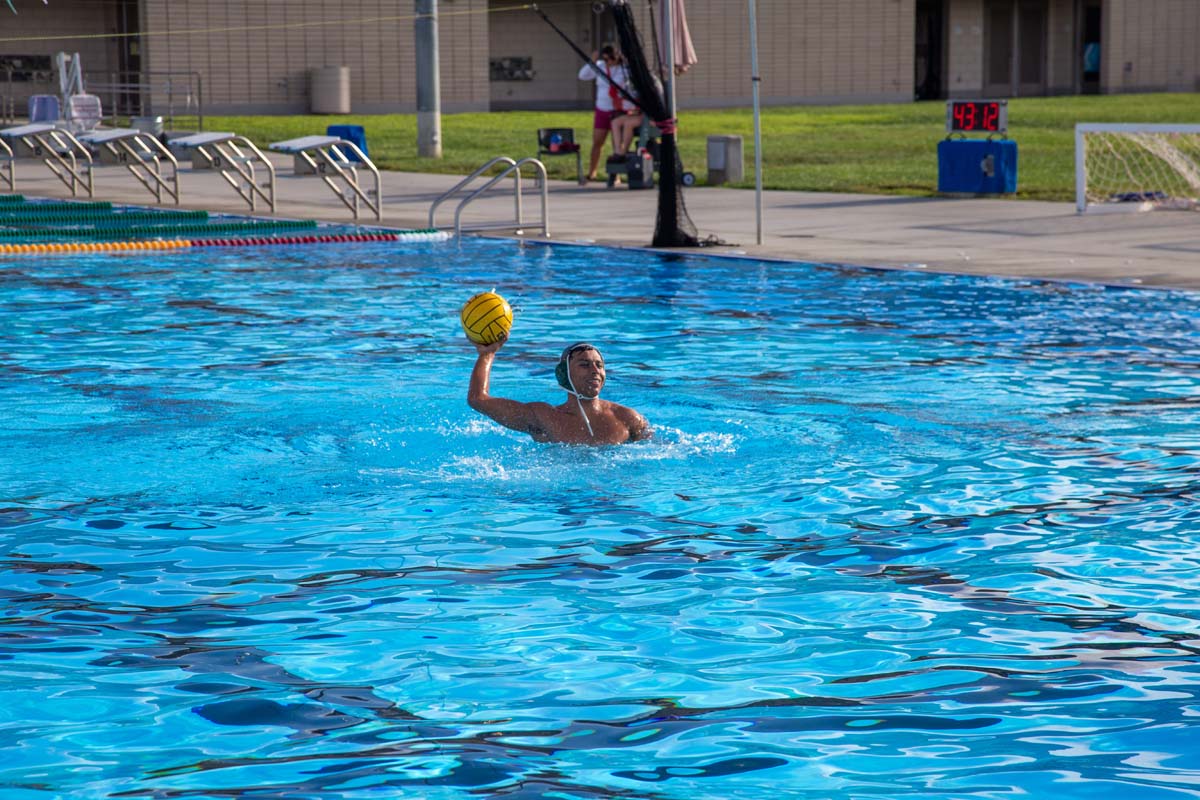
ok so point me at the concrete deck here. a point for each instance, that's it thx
(974, 236)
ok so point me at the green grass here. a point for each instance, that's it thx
(883, 149)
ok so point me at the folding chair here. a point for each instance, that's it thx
(560, 142)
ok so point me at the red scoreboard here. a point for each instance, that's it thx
(977, 116)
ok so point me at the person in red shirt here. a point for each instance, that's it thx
(608, 72)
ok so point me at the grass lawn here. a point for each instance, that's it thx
(884, 149)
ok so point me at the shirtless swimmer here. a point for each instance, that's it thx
(582, 418)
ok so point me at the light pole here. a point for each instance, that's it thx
(429, 90)
(755, 80)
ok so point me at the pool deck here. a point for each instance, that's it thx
(981, 236)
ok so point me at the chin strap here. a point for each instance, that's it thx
(579, 398)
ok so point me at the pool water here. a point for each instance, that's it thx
(897, 535)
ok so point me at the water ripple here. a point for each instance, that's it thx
(897, 535)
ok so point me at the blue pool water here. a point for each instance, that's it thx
(898, 535)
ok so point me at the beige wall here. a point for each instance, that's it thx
(1150, 46)
(98, 56)
(247, 69)
(522, 33)
(1062, 48)
(809, 51)
(256, 56)
(965, 45)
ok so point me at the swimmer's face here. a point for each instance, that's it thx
(587, 371)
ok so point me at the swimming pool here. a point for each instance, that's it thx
(898, 534)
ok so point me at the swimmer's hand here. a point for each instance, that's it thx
(485, 349)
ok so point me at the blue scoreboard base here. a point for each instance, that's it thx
(977, 166)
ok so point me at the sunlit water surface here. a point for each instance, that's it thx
(898, 535)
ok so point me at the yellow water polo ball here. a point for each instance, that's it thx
(486, 317)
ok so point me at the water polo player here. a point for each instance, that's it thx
(583, 418)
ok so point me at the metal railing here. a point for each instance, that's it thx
(323, 156)
(58, 149)
(7, 171)
(235, 158)
(169, 95)
(177, 97)
(146, 158)
(513, 168)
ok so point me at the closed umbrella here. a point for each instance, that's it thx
(680, 49)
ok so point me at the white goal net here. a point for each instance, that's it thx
(1136, 167)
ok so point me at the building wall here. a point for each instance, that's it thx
(256, 56)
(964, 46)
(523, 34)
(97, 56)
(809, 51)
(1063, 55)
(1150, 46)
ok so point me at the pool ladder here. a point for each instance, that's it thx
(513, 168)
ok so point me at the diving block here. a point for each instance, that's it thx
(326, 156)
(235, 157)
(142, 154)
(58, 149)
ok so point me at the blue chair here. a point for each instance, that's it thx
(351, 133)
(44, 108)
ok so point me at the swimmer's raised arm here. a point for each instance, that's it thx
(509, 413)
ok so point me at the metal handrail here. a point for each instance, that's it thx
(164, 93)
(448, 194)
(148, 170)
(344, 169)
(65, 141)
(56, 147)
(7, 172)
(329, 150)
(142, 93)
(243, 165)
(515, 168)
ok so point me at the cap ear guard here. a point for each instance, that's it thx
(560, 374)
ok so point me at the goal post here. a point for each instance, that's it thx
(1136, 167)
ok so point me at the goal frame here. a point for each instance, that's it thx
(1083, 128)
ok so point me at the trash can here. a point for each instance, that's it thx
(151, 125)
(725, 160)
(351, 133)
(331, 90)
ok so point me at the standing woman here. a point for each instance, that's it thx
(607, 72)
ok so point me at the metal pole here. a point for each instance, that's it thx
(755, 80)
(1080, 170)
(429, 91)
(669, 52)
